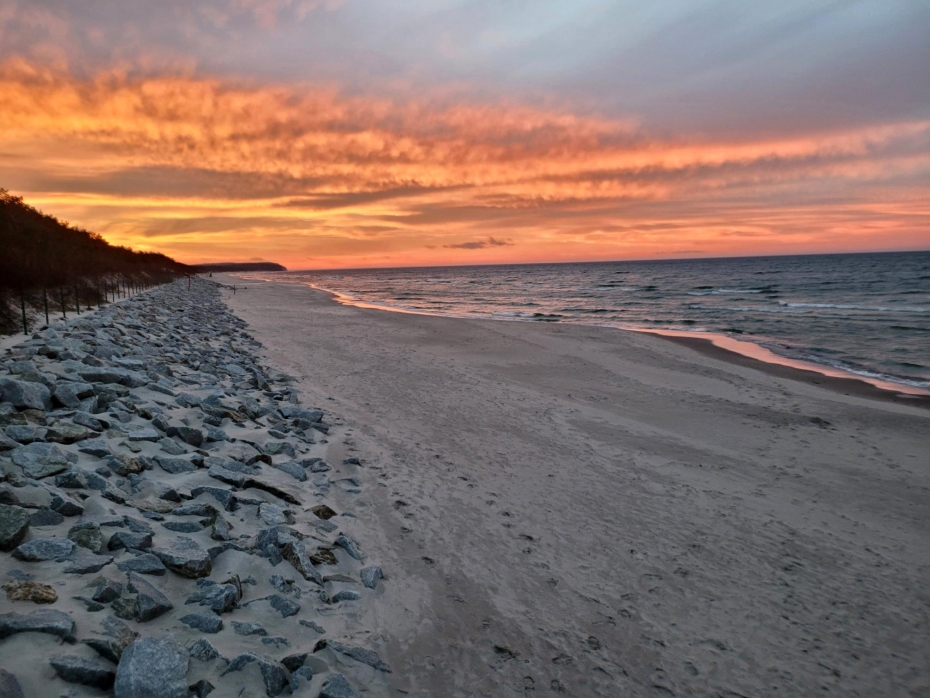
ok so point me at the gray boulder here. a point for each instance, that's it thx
(274, 675)
(44, 621)
(147, 604)
(9, 685)
(87, 672)
(14, 523)
(40, 460)
(186, 558)
(175, 465)
(205, 623)
(145, 563)
(370, 576)
(295, 553)
(337, 686)
(42, 549)
(25, 395)
(151, 668)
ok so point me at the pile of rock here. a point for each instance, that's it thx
(167, 503)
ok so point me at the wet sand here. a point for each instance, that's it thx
(589, 512)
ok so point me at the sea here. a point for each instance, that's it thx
(863, 315)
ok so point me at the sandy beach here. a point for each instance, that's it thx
(590, 512)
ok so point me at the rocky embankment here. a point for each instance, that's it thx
(169, 525)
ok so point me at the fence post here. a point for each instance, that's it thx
(45, 303)
(77, 299)
(22, 305)
(61, 296)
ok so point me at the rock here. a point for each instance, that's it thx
(350, 546)
(204, 651)
(203, 622)
(284, 606)
(319, 466)
(175, 465)
(130, 540)
(171, 447)
(202, 688)
(271, 514)
(9, 685)
(248, 628)
(305, 673)
(25, 433)
(151, 668)
(225, 497)
(220, 598)
(86, 562)
(30, 591)
(67, 433)
(144, 434)
(87, 672)
(46, 517)
(124, 465)
(218, 472)
(47, 621)
(40, 460)
(122, 376)
(370, 576)
(296, 554)
(92, 423)
(145, 563)
(191, 435)
(313, 626)
(359, 654)
(14, 524)
(277, 448)
(87, 535)
(69, 393)
(293, 469)
(345, 595)
(150, 602)
(186, 558)
(25, 395)
(337, 686)
(42, 549)
(184, 526)
(271, 489)
(295, 661)
(274, 675)
(67, 506)
(7, 444)
(71, 480)
(95, 447)
(106, 590)
(221, 529)
(323, 512)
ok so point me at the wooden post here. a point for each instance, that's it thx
(22, 305)
(61, 296)
(188, 283)
(45, 303)
(77, 299)
(234, 289)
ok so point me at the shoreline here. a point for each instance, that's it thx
(712, 344)
(576, 509)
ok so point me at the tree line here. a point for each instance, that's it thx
(50, 266)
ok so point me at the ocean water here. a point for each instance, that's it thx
(864, 314)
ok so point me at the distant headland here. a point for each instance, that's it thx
(238, 266)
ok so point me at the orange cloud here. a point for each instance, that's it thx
(209, 169)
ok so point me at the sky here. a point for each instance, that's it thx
(367, 133)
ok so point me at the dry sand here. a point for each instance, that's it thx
(598, 513)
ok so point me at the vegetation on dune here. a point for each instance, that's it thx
(49, 266)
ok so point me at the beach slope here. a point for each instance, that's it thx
(599, 513)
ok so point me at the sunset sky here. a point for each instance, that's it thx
(348, 133)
